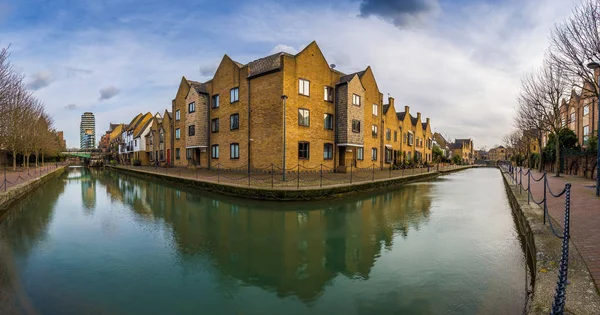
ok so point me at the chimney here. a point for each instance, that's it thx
(406, 109)
(427, 120)
(391, 101)
(418, 117)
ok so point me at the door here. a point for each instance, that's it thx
(168, 156)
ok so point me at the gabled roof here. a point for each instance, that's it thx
(424, 125)
(134, 122)
(401, 115)
(461, 141)
(199, 87)
(139, 128)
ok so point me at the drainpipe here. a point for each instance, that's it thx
(248, 80)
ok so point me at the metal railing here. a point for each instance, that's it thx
(516, 175)
(13, 176)
(295, 177)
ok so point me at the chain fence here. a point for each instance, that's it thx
(516, 175)
(298, 176)
(18, 175)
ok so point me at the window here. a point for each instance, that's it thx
(304, 87)
(355, 126)
(586, 110)
(161, 136)
(162, 155)
(214, 125)
(328, 151)
(191, 107)
(328, 96)
(395, 135)
(303, 150)
(177, 115)
(135, 143)
(234, 121)
(374, 154)
(360, 154)
(215, 101)
(188, 154)
(388, 155)
(303, 117)
(410, 139)
(191, 130)
(234, 95)
(328, 121)
(215, 151)
(355, 100)
(177, 150)
(388, 134)
(234, 151)
(586, 135)
(375, 109)
(177, 134)
(374, 130)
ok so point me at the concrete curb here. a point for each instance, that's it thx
(313, 193)
(543, 251)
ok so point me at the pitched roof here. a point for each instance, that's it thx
(413, 120)
(424, 125)
(348, 77)
(134, 121)
(461, 141)
(385, 108)
(264, 64)
(199, 87)
(401, 115)
(142, 124)
(112, 127)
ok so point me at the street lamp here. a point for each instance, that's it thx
(594, 66)
(284, 98)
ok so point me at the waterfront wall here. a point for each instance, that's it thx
(283, 194)
(543, 252)
(15, 193)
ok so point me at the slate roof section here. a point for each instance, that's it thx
(265, 64)
(141, 124)
(199, 87)
(424, 126)
(413, 120)
(348, 77)
(386, 107)
(401, 115)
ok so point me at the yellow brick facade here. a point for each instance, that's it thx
(346, 125)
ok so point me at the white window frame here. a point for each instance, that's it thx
(177, 133)
(374, 130)
(234, 95)
(327, 151)
(356, 100)
(192, 107)
(304, 87)
(360, 154)
(214, 151)
(328, 96)
(374, 154)
(234, 151)
(586, 110)
(177, 115)
(375, 109)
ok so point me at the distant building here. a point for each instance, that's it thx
(87, 131)
(61, 140)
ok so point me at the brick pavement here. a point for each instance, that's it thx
(585, 214)
(10, 178)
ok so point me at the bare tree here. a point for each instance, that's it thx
(575, 43)
(541, 94)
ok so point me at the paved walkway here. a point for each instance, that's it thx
(585, 214)
(310, 179)
(9, 178)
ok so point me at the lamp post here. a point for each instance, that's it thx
(284, 98)
(594, 66)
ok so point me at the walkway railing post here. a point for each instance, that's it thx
(321, 184)
(373, 172)
(272, 174)
(351, 172)
(298, 179)
(545, 187)
(528, 185)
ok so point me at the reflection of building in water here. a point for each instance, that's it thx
(288, 252)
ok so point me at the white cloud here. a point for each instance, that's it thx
(284, 48)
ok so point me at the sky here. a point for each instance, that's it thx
(458, 62)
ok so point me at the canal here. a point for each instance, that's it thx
(102, 242)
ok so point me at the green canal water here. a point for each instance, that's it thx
(101, 242)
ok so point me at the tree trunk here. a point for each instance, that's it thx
(540, 154)
(557, 155)
(37, 154)
(14, 154)
(42, 159)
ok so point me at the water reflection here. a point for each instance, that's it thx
(295, 251)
